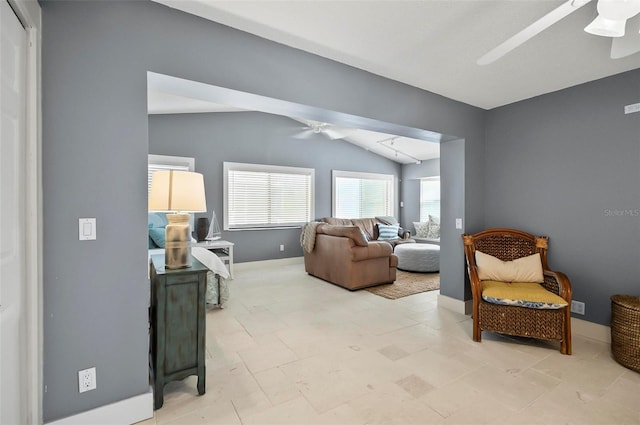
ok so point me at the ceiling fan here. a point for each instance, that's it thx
(331, 131)
(610, 22)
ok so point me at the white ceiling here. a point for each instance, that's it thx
(434, 45)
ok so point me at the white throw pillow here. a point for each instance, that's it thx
(525, 269)
(434, 227)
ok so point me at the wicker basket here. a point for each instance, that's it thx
(625, 330)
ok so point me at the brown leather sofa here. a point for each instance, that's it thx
(342, 255)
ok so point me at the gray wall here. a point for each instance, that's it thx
(95, 144)
(259, 138)
(561, 165)
(452, 206)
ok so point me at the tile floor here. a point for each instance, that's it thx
(292, 349)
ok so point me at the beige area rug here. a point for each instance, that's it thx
(406, 284)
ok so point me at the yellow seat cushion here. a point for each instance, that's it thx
(522, 294)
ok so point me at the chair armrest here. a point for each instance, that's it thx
(403, 233)
(558, 283)
(476, 283)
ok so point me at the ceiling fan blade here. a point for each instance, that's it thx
(622, 47)
(334, 132)
(304, 134)
(532, 30)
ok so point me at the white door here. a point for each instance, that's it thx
(13, 44)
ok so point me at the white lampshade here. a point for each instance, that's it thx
(177, 191)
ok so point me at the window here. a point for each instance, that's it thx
(429, 197)
(358, 195)
(163, 162)
(267, 196)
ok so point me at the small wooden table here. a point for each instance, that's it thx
(223, 249)
(178, 325)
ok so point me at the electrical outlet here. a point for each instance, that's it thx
(87, 379)
(282, 247)
(577, 307)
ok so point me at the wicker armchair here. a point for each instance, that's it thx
(508, 245)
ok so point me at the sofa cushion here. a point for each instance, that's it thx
(369, 227)
(522, 294)
(338, 221)
(525, 269)
(388, 232)
(352, 232)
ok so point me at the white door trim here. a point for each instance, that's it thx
(29, 13)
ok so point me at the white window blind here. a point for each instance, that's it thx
(267, 196)
(429, 197)
(358, 195)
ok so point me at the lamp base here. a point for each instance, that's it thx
(177, 252)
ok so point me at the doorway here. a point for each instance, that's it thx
(13, 132)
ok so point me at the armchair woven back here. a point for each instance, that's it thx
(506, 244)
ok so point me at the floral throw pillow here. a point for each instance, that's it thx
(422, 229)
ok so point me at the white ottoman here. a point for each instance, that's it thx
(418, 257)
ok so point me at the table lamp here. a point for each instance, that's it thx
(178, 193)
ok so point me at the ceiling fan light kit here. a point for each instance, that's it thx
(610, 22)
(612, 17)
(606, 27)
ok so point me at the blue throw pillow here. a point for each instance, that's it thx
(387, 232)
(157, 220)
(157, 235)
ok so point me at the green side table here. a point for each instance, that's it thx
(177, 315)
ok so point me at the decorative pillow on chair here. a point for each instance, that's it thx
(422, 229)
(525, 269)
(388, 232)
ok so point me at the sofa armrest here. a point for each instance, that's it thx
(352, 232)
(404, 234)
(375, 249)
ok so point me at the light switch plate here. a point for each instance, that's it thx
(87, 229)
(630, 109)
(458, 223)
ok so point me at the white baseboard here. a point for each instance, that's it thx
(453, 304)
(591, 330)
(580, 327)
(128, 411)
(268, 263)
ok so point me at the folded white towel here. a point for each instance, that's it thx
(210, 260)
